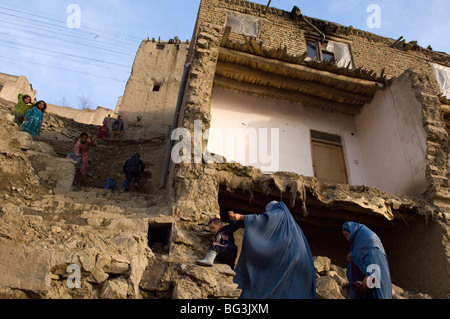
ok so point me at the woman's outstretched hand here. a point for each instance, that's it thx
(235, 217)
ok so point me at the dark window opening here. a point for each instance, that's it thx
(160, 46)
(326, 137)
(318, 50)
(312, 49)
(160, 237)
(327, 56)
(156, 88)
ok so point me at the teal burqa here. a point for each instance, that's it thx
(369, 256)
(276, 261)
(33, 123)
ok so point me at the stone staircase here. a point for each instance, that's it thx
(99, 203)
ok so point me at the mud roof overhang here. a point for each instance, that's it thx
(248, 190)
(250, 68)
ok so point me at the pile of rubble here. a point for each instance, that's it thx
(332, 283)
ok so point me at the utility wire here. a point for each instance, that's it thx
(77, 43)
(33, 50)
(87, 26)
(63, 32)
(59, 68)
(65, 54)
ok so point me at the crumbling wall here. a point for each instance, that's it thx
(11, 86)
(152, 90)
(393, 140)
(369, 51)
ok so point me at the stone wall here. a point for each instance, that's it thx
(152, 90)
(11, 86)
(87, 116)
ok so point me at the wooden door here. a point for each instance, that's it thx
(328, 162)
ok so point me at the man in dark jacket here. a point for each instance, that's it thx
(133, 168)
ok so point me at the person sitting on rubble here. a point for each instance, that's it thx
(133, 168)
(81, 151)
(276, 260)
(23, 106)
(368, 270)
(118, 127)
(33, 119)
(103, 132)
(223, 250)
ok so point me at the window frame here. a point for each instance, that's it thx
(320, 48)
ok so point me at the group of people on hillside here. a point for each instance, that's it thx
(29, 116)
(276, 260)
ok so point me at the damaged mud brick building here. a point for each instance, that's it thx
(360, 123)
(362, 127)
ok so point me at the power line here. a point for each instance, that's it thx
(74, 42)
(59, 68)
(87, 26)
(55, 34)
(65, 58)
(63, 30)
(67, 54)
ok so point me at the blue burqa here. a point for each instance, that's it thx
(369, 256)
(276, 261)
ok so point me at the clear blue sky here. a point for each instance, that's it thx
(95, 61)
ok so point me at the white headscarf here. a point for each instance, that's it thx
(270, 205)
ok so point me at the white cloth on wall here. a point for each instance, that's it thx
(243, 23)
(443, 78)
(342, 53)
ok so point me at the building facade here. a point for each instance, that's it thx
(352, 128)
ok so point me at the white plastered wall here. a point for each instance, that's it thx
(241, 111)
(384, 146)
(393, 141)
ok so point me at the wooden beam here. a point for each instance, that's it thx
(324, 77)
(225, 36)
(445, 109)
(286, 95)
(273, 80)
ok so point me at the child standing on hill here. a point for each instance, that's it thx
(224, 249)
(23, 106)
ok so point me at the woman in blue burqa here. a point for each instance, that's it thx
(368, 270)
(276, 261)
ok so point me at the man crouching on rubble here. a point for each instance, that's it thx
(224, 249)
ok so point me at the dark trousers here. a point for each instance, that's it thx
(225, 255)
(130, 174)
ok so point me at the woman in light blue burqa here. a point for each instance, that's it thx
(276, 261)
(368, 270)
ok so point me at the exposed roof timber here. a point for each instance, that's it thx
(366, 87)
(253, 47)
(235, 72)
(286, 95)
